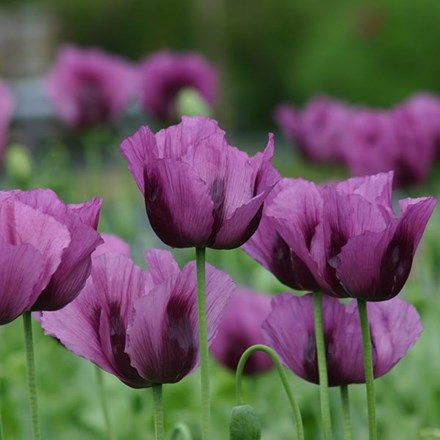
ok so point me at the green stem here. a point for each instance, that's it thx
(181, 432)
(282, 373)
(368, 368)
(203, 342)
(322, 366)
(346, 412)
(27, 327)
(158, 413)
(103, 399)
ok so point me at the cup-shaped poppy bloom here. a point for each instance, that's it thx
(89, 86)
(425, 108)
(240, 329)
(415, 146)
(318, 128)
(199, 191)
(395, 327)
(6, 109)
(140, 326)
(164, 74)
(46, 248)
(342, 238)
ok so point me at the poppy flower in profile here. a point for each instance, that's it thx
(6, 109)
(164, 74)
(199, 191)
(90, 87)
(343, 238)
(395, 327)
(46, 248)
(140, 326)
(240, 328)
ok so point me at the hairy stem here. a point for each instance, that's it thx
(159, 431)
(346, 412)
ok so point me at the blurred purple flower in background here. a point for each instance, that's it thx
(141, 327)
(89, 86)
(240, 328)
(112, 244)
(395, 327)
(199, 191)
(6, 110)
(164, 74)
(342, 238)
(46, 250)
(318, 128)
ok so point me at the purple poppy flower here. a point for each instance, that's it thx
(165, 74)
(415, 144)
(319, 128)
(90, 87)
(342, 238)
(199, 191)
(46, 248)
(395, 327)
(240, 329)
(370, 142)
(142, 327)
(6, 109)
(425, 108)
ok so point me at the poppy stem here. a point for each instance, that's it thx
(322, 366)
(368, 368)
(283, 376)
(158, 413)
(203, 341)
(181, 431)
(30, 360)
(346, 412)
(103, 399)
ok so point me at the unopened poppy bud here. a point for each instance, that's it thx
(245, 424)
(18, 163)
(190, 102)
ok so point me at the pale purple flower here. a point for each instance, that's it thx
(319, 128)
(142, 327)
(46, 250)
(89, 86)
(395, 327)
(112, 244)
(6, 110)
(199, 191)
(342, 238)
(164, 74)
(240, 328)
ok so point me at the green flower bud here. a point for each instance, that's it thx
(18, 163)
(245, 424)
(190, 103)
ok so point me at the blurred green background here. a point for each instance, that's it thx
(374, 52)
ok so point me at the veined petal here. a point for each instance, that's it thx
(178, 204)
(20, 271)
(162, 266)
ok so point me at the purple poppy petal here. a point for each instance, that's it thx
(21, 224)
(20, 270)
(136, 150)
(77, 326)
(88, 212)
(178, 204)
(112, 244)
(395, 328)
(296, 212)
(288, 120)
(161, 265)
(240, 328)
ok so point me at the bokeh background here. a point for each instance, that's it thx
(367, 52)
